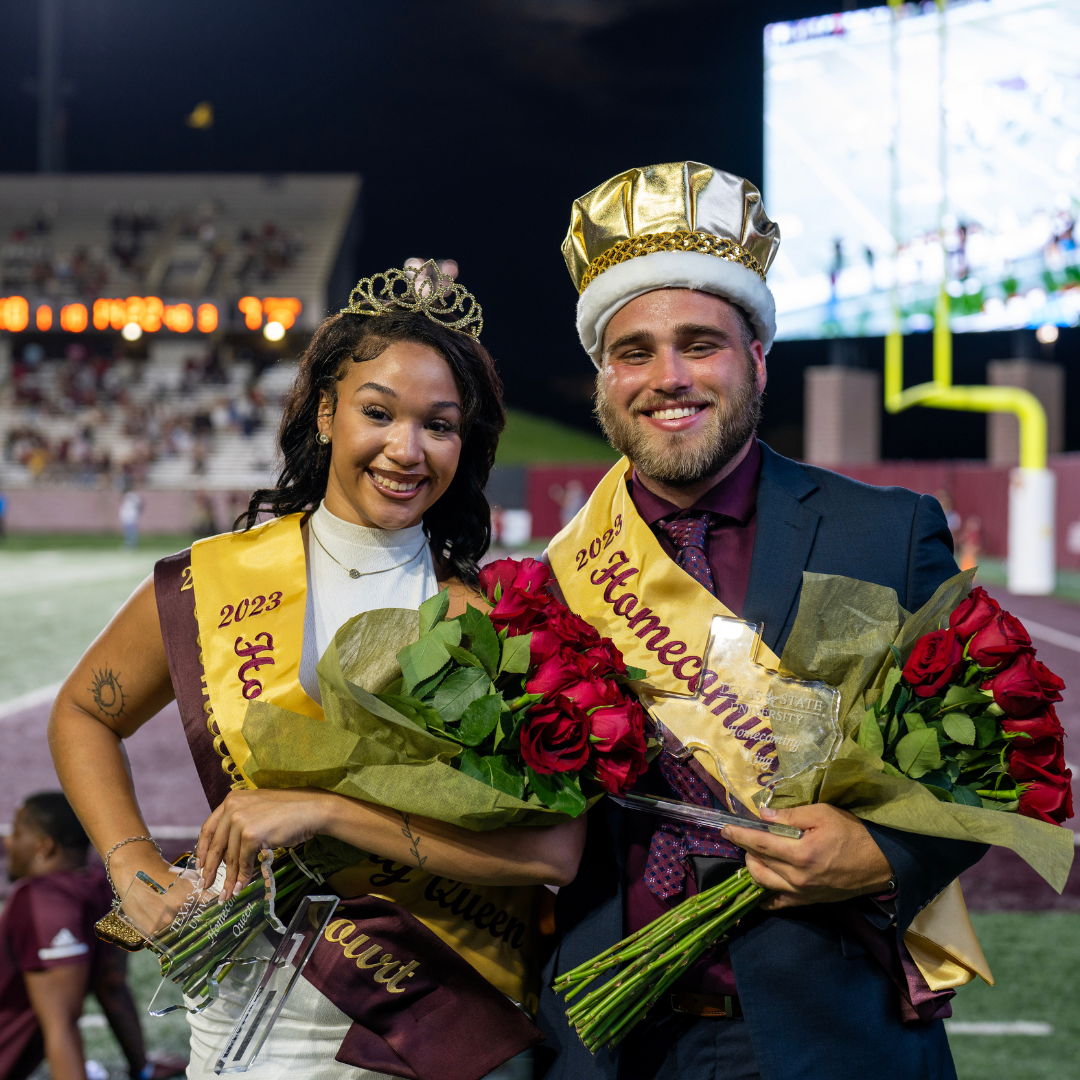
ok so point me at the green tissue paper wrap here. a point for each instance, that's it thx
(365, 749)
(841, 636)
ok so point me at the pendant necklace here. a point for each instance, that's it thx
(353, 573)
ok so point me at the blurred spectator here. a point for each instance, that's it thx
(204, 520)
(130, 508)
(970, 542)
(50, 957)
(952, 518)
(570, 498)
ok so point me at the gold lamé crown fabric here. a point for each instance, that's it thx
(679, 197)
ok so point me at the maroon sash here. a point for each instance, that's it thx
(439, 1019)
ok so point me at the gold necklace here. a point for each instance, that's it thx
(353, 573)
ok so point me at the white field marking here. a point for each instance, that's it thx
(67, 577)
(160, 832)
(93, 1020)
(1052, 636)
(998, 1027)
(45, 695)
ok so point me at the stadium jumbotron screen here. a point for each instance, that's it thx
(1012, 101)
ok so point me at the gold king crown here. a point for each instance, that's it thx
(425, 289)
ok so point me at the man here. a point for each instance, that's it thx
(674, 310)
(49, 956)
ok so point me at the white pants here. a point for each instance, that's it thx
(303, 1041)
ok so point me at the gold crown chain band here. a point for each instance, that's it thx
(426, 290)
(681, 240)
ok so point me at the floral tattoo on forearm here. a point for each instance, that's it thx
(414, 840)
(107, 693)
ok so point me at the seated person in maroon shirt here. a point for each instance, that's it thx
(50, 957)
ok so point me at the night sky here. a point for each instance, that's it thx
(474, 125)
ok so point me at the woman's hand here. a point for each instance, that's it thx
(246, 822)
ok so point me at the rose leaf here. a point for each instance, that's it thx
(515, 654)
(959, 727)
(460, 688)
(421, 660)
(449, 633)
(558, 791)
(986, 729)
(483, 641)
(463, 656)
(917, 752)
(870, 737)
(479, 719)
(939, 793)
(892, 681)
(891, 770)
(433, 611)
(964, 695)
(966, 796)
(633, 674)
(914, 721)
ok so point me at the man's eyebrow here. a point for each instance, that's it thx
(634, 337)
(701, 329)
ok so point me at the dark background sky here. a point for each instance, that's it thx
(474, 123)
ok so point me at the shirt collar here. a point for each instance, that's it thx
(733, 497)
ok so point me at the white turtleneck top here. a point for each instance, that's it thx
(396, 570)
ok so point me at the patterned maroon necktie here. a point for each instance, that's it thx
(671, 844)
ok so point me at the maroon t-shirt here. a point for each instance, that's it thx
(729, 546)
(47, 922)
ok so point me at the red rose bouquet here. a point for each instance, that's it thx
(970, 715)
(535, 698)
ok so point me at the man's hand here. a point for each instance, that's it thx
(835, 859)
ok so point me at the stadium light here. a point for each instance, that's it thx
(132, 332)
(14, 313)
(74, 318)
(43, 317)
(252, 308)
(1047, 334)
(178, 318)
(206, 318)
(273, 331)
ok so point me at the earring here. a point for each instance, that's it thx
(323, 438)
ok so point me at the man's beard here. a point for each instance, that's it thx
(684, 458)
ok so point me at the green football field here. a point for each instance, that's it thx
(55, 595)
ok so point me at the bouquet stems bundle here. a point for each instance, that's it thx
(655, 957)
(192, 951)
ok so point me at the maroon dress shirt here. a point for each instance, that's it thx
(729, 546)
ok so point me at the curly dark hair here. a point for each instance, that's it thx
(459, 524)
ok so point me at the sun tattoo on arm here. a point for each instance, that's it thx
(414, 851)
(107, 692)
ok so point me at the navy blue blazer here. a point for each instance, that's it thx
(816, 1004)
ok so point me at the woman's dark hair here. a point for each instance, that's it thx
(459, 524)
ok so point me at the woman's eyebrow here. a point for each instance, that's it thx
(378, 388)
(446, 405)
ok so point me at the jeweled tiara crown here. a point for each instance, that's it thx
(425, 289)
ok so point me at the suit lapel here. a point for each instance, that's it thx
(783, 539)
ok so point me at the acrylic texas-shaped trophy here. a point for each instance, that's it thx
(752, 726)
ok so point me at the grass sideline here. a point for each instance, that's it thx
(534, 440)
(1034, 958)
(995, 572)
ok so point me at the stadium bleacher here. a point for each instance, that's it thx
(88, 261)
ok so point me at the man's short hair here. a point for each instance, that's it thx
(746, 327)
(52, 814)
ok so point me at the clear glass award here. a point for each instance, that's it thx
(748, 726)
(201, 940)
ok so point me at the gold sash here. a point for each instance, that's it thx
(250, 603)
(614, 573)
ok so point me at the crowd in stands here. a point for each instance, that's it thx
(32, 264)
(99, 420)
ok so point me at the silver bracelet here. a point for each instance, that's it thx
(120, 844)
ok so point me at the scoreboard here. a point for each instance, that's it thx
(149, 314)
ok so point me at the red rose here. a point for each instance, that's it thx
(528, 575)
(605, 659)
(1025, 686)
(593, 693)
(519, 611)
(555, 737)
(973, 613)
(935, 661)
(502, 573)
(1035, 760)
(562, 670)
(999, 641)
(1049, 799)
(618, 758)
(1038, 725)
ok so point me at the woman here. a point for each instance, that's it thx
(388, 438)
